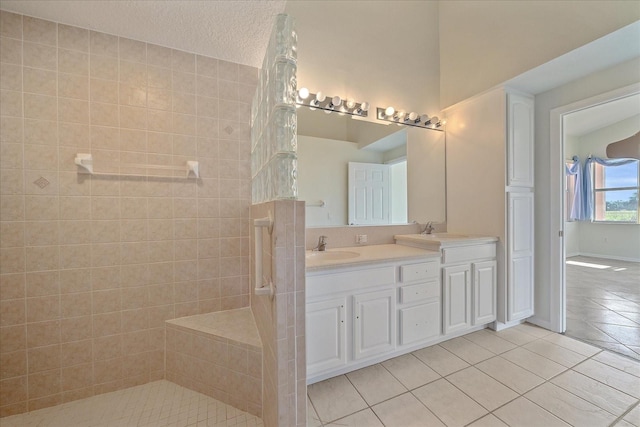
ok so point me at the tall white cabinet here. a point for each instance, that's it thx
(490, 179)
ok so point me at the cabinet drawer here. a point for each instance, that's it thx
(421, 271)
(419, 323)
(468, 253)
(420, 291)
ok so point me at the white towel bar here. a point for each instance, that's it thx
(85, 161)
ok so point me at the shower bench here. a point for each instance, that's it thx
(218, 354)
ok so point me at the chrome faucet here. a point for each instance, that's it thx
(322, 244)
(428, 228)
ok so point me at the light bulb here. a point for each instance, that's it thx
(364, 106)
(434, 120)
(389, 111)
(335, 101)
(320, 97)
(424, 119)
(413, 116)
(303, 93)
(350, 104)
(443, 122)
(400, 115)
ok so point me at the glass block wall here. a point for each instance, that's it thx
(273, 119)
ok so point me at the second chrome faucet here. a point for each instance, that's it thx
(322, 244)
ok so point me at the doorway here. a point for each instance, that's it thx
(596, 267)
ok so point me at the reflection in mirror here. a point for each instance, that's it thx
(328, 142)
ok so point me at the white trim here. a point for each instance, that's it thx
(557, 291)
(605, 256)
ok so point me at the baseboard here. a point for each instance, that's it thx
(572, 254)
(604, 256)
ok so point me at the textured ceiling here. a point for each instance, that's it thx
(236, 31)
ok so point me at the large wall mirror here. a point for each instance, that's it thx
(413, 157)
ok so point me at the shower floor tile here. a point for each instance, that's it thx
(157, 404)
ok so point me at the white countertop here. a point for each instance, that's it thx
(442, 240)
(357, 255)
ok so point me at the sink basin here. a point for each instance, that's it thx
(330, 255)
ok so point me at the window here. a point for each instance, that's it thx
(616, 193)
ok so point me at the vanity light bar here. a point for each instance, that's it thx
(389, 114)
(331, 105)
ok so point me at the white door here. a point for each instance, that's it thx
(457, 298)
(484, 291)
(374, 323)
(369, 193)
(520, 250)
(326, 335)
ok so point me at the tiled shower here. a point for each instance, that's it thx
(91, 267)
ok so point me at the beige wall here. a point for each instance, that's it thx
(91, 267)
(485, 43)
(383, 52)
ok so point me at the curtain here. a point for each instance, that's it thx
(576, 210)
(588, 181)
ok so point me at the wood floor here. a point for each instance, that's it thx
(603, 303)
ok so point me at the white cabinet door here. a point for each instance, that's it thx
(520, 291)
(484, 291)
(520, 126)
(326, 335)
(420, 322)
(374, 323)
(457, 298)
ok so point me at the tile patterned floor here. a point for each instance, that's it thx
(523, 376)
(156, 404)
(603, 304)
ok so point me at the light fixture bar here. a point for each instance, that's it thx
(330, 104)
(389, 114)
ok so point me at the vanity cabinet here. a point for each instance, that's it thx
(361, 315)
(469, 287)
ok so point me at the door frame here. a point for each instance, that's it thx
(557, 253)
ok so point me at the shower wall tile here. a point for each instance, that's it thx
(91, 267)
(39, 56)
(73, 62)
